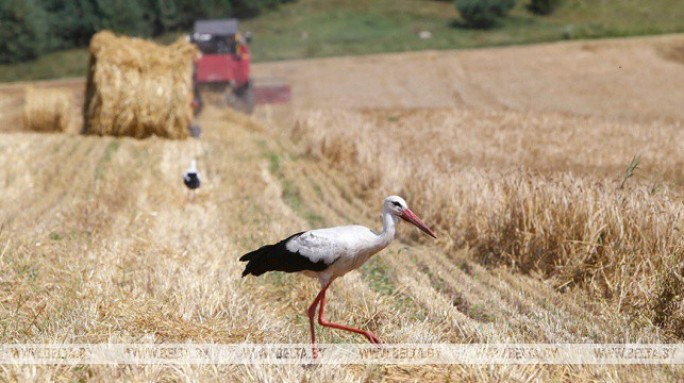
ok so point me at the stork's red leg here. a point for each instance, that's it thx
(324, 322)
(312, 313)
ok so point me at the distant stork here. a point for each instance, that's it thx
(191, 177)
(331, 253)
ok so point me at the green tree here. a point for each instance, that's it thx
(210, 9)
(23, 30)
(75, 21)
(163, 15)
(483, 13)
(251, 8)
(544, 7)
(123, 16)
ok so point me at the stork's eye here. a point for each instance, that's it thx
(395, 203)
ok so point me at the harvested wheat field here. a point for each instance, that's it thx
(636, 78)
(542, 236)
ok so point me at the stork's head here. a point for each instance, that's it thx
(397, 206)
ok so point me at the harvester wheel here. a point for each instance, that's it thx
(242, 98)
(197, 104)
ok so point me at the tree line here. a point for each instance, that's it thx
(30, 28)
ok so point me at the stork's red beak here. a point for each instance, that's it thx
(408, 215)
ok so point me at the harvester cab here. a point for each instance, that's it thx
(223, 68)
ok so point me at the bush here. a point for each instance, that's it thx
(23, 30)
(544, 7)
(483, 13)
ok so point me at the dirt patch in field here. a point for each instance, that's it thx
(673, 52)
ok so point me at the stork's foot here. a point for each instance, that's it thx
(371, 337)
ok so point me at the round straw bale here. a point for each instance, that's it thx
(138, 88)
(46, 110)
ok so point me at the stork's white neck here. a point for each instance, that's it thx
(389, 228)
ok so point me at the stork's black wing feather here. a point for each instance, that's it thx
(277, 257)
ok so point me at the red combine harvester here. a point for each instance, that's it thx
(223, 68)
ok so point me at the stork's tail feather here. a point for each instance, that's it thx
(256, 261)
(248, 256)
(266, 258)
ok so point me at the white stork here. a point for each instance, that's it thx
(331, 253)
(191, 177)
